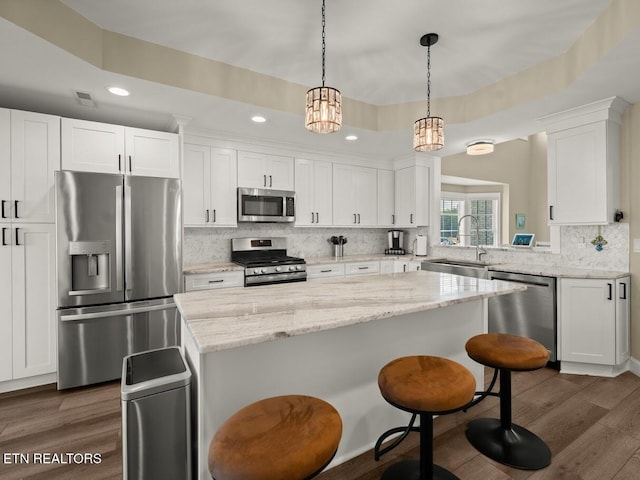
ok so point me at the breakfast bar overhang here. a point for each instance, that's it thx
(326, 338)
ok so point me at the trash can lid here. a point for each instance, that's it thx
(153, 371)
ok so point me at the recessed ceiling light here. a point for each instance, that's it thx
(351, 138)
(481, 147)
(258, 119)
(119, 91)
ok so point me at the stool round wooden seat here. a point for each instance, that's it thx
(424, 385)
(292, 437)
(501, 440)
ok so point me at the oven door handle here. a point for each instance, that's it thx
(114, 313)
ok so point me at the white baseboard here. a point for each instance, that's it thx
(634, 366)
(28, 382)
(577, 368)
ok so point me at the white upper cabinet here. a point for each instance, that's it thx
(261, 170)
(105, 148)
(354, 195)
(29, 156)
(209, 186)
(412, 195)
(583, 163)
(313, 192)
(386, 198)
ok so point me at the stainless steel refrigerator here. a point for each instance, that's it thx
(119, 262)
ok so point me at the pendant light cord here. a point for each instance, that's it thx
(323, 43)
(428, 80)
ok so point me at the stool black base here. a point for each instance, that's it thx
(514, 446)
(410, 470)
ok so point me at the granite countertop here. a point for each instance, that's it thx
(367, 257)
(212, 268)
(555, 271)
(234, 317)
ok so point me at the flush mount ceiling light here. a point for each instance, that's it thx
(119, 91)
(351, 138)
(323, 113)
(258, 119)
(481, 147)
(428, 132)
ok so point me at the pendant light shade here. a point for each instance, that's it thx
(428, 132)
(323, 111)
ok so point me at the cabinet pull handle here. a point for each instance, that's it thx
(358, 219)
(3, 214)
(317, 217)
(4, 240)
(363, 268)
(119, 162)
(15, 209)
(326, 271)
(610, 294)
(550, 212)
(411, 218)
(404, 267)
(206, 216)
(264, 180)
(623, 294)
(393, 219)
(270, 181)
(214, 215)
(312, 217)
(17, 237)
(130, 167)
(354, 218)
(216, 281)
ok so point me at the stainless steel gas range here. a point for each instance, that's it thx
(266, 262)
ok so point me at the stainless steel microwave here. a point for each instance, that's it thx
(261, 205)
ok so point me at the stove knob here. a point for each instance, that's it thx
(278, 269)
(292, 268)
(262, 270)
(298, 267)
(256, 271)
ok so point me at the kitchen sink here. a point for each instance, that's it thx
(466, 268)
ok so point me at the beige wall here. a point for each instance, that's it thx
(522, 166)
(630, 201)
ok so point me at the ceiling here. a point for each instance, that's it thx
(373, 56)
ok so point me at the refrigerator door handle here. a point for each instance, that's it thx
(128, 241)
(114, 313)
(119, 276)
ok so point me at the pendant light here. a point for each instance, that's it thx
(428, 132)
(323, 113)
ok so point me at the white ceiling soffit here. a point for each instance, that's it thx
(373, 57)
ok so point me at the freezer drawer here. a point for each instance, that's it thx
(92, 341)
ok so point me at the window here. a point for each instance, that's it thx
(485, 207)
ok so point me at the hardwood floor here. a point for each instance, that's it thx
(592, 426)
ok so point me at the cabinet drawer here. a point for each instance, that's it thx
(362, 267)
(326, 270)
(213, 280)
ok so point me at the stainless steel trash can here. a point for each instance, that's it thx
(156, 420)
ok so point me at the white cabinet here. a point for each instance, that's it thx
(359, 268)
(209, 186)
(102, 147)
(386, 197)
(387, 266)
(583, 163)
(412, 196)
(325, 270)
(593, 317)
(29, 155)
(401, 266)
(207, 281)
(27, 323)
(260, 170)
(354, 195)
(313, 185)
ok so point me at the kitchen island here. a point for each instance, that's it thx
(327, 338)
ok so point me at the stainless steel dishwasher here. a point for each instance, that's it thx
(531, 313)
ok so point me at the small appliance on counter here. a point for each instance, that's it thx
(396, 243)
(420, 246)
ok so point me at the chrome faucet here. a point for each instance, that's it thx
(479, 251)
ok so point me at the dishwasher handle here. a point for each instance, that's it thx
(524, 282)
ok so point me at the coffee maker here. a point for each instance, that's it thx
(396, 243)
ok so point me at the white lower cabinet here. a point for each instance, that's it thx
(401, 266)
(325, 270)
(27, 320)
(206, 281)
(359, 268)
(593, 319)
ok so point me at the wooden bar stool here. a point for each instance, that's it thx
(291, 437)
(425, 386)
(502, 440)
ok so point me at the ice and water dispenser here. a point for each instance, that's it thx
(90, 267)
